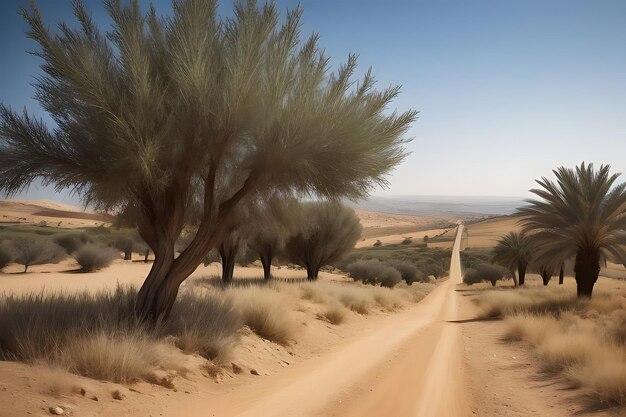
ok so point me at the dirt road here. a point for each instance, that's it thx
(412, 366)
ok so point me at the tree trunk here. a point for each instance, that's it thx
(228, 253)
(266, 261)
(561, 275)
(545, 277)
(312, 272)
(145, 258)
(586, 270)
(153, 299)
(128, 255)
(521, 273)
(493, 283)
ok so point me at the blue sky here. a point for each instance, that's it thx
(507, 90)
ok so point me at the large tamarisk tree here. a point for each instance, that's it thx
(326, 233)
(163, 115)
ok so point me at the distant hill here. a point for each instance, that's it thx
(461, 206)
(48, 212)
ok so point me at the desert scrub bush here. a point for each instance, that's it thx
(316, 292)
(377, 243)
(97, 335)
(408, 271)
(334, 313)
(406, 241)
(357, 299)
(92, 257)
(485, 272)
(71, 242)
(29, 251)
(374, 272)
(266, 312)
(389, 299)
(205, 323)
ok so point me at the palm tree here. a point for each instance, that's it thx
(513, 251)
(581, 216)
(174, 120)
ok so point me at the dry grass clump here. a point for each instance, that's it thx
(335, 313)
(96, 335)
(205, 323)
(582, 339)
(266, 312)
(123, 358)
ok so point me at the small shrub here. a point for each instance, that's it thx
(71, 242)
(406, 241)
(357, 299)
(374, 272)
(408, 271)
(484, 272)
(377, 243)
(92, 257)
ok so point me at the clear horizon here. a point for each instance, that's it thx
(507, 91)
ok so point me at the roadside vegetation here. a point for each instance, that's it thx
(584, 340)
(93, 334)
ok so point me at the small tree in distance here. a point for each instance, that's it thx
(327, 232)
(36, 251)
(271, 222)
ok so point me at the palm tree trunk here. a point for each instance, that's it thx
(521, 273)
(586, 270)
(312, 272)
(561, 275)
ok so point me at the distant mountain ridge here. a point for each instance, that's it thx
(465, 206)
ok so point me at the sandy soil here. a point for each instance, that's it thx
(485, 234)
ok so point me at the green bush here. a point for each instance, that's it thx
(485, 272)
(374, 272)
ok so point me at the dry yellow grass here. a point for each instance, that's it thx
(582, 339)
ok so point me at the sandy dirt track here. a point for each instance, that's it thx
(410, 367)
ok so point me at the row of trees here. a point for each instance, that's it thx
(581, 218)
(308, 234)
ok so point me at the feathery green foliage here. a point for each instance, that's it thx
(581, 216)
(177, 119)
